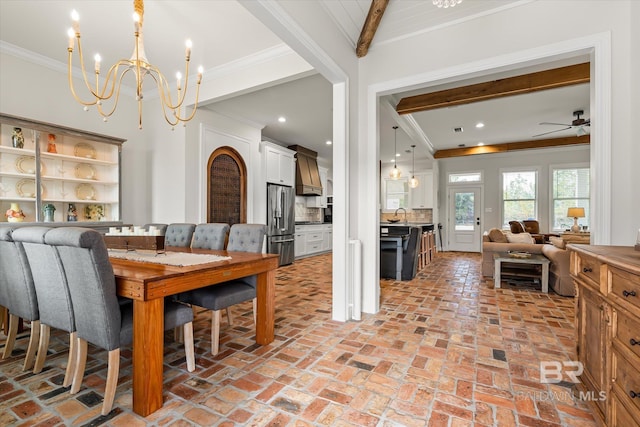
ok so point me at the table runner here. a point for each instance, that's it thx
(179, 259)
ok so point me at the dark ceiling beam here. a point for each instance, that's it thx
(527, 83)
(512, 146)
(376, 10)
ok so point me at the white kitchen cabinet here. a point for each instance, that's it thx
(320, 201)
(327, 238)
(74, 174)
(421, 197)
(312, 239)
(299, 243)
(279, 164)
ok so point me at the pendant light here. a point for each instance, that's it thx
(413, 182)
(395, 172)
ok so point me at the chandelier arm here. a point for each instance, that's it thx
(72, 87)
(164, 89)
(195, 106)
(117, 94)
(161, 82)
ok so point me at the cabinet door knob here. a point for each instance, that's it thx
(634, 342)
(629, 293)
(587, 270)
(633, 394)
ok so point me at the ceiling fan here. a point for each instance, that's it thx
(578, 122)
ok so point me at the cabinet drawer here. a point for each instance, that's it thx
(626, 289)
(620, 415)
(314, 237)
(313, 247)
(588, 267)
(627, 333)
(626, 380)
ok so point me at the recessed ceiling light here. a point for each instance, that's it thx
(480, 144)
(282, 119)
(397, 154)
(329, 142)
(479, 125)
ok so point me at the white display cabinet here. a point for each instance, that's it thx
(75, 169)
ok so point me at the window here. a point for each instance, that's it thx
(455, 178)
(519, 192)
(396, 194)
(570, 189)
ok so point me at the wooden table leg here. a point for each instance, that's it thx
(148, 342)
(496, 274)
(266, 307)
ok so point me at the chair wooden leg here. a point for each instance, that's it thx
(177, 334)
(11, 336)
(255, 311)
(73, 359)
(215, 331)
(81, 362)
(229, 318)
(113, 370)
(45, 332)
(3, 316)
(188, 346)
(34, 340)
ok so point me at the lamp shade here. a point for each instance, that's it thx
(575, 212)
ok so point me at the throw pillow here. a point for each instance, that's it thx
(557, 242)
(520, 238)
(496, 235)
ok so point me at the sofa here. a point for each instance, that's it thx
(559, 277)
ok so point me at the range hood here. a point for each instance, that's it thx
(307, 175)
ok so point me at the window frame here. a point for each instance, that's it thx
(565, 166)
(479, 172)
(536, 200)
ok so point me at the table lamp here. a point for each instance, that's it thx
(575, 213)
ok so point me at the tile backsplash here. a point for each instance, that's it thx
(305, 214)
(414, 215)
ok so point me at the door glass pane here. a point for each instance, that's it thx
(465, 213)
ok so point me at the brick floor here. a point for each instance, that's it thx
(446, 349)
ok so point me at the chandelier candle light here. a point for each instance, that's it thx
(140, 67)
(395, 172)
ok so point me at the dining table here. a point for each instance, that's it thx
(147, 282)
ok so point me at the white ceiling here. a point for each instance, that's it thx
(223, 31)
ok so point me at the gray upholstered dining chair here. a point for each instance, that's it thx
(179, 234)
(242, 238)
(53, 295)
(210, 236)
(100, 320)
(18, 294)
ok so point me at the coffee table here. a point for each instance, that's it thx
(534, 259)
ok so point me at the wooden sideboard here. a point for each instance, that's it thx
(607, 280)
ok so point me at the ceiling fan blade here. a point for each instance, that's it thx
(553, 131)
(556, 124)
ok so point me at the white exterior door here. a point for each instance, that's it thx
(464, 219)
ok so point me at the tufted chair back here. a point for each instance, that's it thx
(210, 236)
(17, 291)
(247, 237)
(516, 227)
(531, 226)
(179, 235)
(49, 278)
(92, 285)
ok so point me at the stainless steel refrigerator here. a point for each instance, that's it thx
(281, 221)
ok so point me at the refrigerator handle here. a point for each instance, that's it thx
(282, 206)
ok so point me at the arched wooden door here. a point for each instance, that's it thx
(226, 187)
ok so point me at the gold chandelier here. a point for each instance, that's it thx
(140, 66)
(446, 3)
